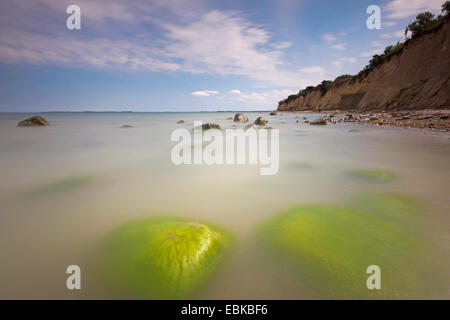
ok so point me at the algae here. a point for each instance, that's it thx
(332, 246)
(163, 258)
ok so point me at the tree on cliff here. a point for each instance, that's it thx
(423, 20)
(446, 8)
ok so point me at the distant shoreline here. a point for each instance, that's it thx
(46, 112)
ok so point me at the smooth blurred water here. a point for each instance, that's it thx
(129, 175)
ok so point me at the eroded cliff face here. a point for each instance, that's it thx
(416, 78)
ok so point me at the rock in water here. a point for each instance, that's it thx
(162, 258)
(318, 122)
(207, 126)
(35, 121)
(239, 117)
(331, 247)
(180, 121)
(126, 126)
(261, 121)
(273, 113)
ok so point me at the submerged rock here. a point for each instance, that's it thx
(162, 258)
(180, 121)
(207, 126)
(240, 117)
(320, 122)
(261, 121)
(127, 126)
(35, 121)
(331, 248)
(373, 175)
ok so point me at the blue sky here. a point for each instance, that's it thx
(180, 55)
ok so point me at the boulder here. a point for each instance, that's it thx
(36, 121)
(207, 126)
(240, 117)
(162, 258)
(318, 122)
(261, 121)
(331, 248)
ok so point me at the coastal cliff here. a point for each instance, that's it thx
(415, 76)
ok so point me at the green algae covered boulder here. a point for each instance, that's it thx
(331, 247)
(373, 175)
(163, 258)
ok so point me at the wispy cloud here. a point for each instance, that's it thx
(282, 45)
(263, 98)
(205, 93)
(389, 23)
(314, 70)
(349, 59)
(339, 63)
(339, 46)
(396, 34)
(371, 53)
(329, 37)
(235, 91)
(400, 9)
(212, 42)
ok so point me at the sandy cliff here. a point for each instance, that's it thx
(418, 77)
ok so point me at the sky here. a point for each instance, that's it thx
(185, 55)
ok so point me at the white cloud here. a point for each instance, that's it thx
(349, 59)
(205, 93)
(389, 23)
(224, 43)
(282, 45)
(337, 64)
(328, 37)
(372, 53)
(400, 9)
(263, 99)
(377, 44)
(339, 46)
(314, 70)
(235, 91)
(194, 41)
(396, 34)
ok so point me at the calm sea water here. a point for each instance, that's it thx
(124, 174)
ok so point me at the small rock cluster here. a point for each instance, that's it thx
(36, 121)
